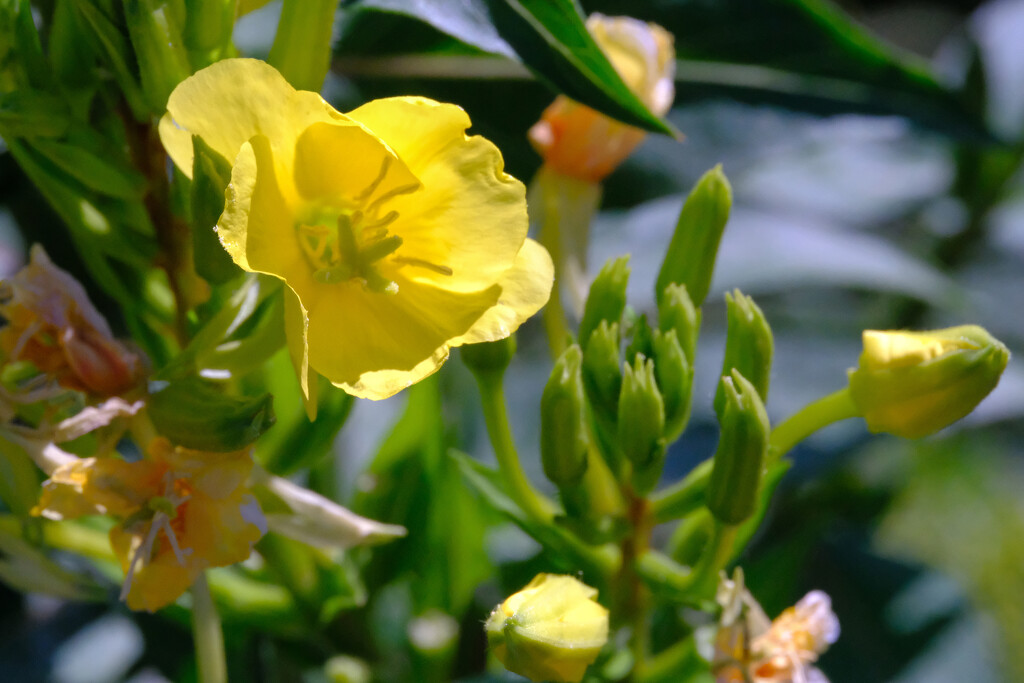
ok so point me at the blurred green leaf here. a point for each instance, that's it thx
(32, 113)
(193, 413)
(20, 47)
(155, 31)
(808, 54)
(112, 42)
(103, 176)
(549, 37)
(306, 443)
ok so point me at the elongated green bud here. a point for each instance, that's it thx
(641, 415)
(602, 372)
(208, 27)
(551, 630)
(748, 345)
(489, 360)
(675, 381)
(607, 297)
(913, 384)
(691, 254)
(563, 427)
(677, 312)
(155, 31)
(739, 458)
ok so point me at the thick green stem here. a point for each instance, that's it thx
(532, 502)
(809, 419)
(683, 497)
(302, 46)
(206, 630)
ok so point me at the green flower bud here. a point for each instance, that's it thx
(641, 344)
(551, 630)
(607, 297)
(690, 259)
(602, 374)
(748, 346)
(641, 416)
(739, 458)
(155, 31)
(563, 427)
(677, 312)
(675, 380)
(489, 359)
(913, 384)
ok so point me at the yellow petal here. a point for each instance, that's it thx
(525, 288)
(257, 227)
(232, 100)
(99, 486)
(295, 326)
(469, 216)
(342, 165)
(220, 532)
(158, 582)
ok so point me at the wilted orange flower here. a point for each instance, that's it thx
(181, 512)
(581, 143)
(750, 649)
(52, 324)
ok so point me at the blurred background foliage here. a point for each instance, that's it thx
(875, 153)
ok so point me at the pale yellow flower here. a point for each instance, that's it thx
(399, 235)
(581, 143)
(181, 512)
(552, 629)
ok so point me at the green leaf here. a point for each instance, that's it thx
(155, 31)
(111, 42)
(31, 113)
(306, 443)
(87, 167)
(549, 37)
(193, 413)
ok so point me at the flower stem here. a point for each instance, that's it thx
(809, 419)
(520, 489)
(206, 630)
(683, 497)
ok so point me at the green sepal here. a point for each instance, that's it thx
(748, 345)
(194, 413)
(690, 259)
(732, 492)
(607, 297)
(563, 428)
(211, 174)
(489, 360)
(602, 380)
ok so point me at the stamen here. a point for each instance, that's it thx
(143, 549)
(179, 554)
(389, 218)
(332, 276)
(384, 166)
(390, 194)
(420, 263)
(380, 249)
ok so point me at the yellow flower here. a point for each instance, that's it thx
(52, 324)
(913, 384)
(399, 235)
(579, 142)
(181, 512)
(552, 629)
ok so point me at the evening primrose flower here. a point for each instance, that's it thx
(751, 649)
(551, 630)
(52, 324)
(181, 512)
(579, 142)
(913, 384)
(398, 236)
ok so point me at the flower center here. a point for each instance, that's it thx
(350, 243)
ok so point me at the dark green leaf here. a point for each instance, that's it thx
(549, 37)
(103, 176)
(307, 442)
(193, 413)
(30, 113)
